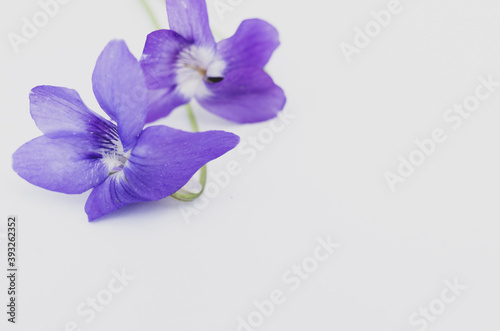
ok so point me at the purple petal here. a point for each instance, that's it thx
(114, 193)
(160, 56)
(60, 112)
(161, 163)
(66, 165)
(251, 46)
(159, 63)
(120, 89)
(189, 18)
(162, 102)
(245, 95)
(165, 159)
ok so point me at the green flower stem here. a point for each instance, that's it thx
(192, 119)
(182, 195)
(150, 13)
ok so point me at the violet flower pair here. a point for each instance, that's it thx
(120, 160)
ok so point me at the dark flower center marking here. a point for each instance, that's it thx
(214, 79)
(112, 153)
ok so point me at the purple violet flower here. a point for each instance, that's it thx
(123, 163)
(226, 78)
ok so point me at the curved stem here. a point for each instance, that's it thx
(150, 13)
(182, 195)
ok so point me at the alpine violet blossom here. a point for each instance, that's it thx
(122, 163)
(226, 78)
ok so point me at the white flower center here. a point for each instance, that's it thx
(114, 157)
(194, 64)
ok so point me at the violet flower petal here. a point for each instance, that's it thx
(251, 46)
(60, 112)
(162, 102)
(66, 165)
(161, 163)
(159, 63)
(118, 83)
(190, 19)
(114, 193)
(165, 159)
(246, 95)
(159, 58)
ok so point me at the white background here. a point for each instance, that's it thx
(322, 176)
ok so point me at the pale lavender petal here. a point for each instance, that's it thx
(245, 95)
(120, 89)
(251, 46)
(60, 112)
(160, 56)
(66, 165)
(162, 102)
(190, 19)
(161, 163)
